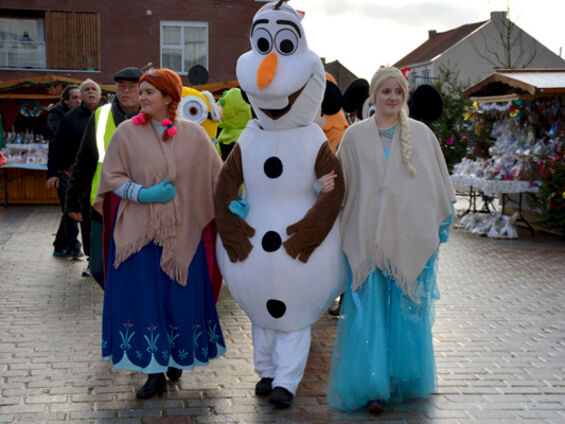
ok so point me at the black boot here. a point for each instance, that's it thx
(156, 384)
(174, 373)
(264, 386)
(280, 397)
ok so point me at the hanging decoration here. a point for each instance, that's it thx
(30, 108)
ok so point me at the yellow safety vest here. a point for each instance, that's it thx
(105, 126)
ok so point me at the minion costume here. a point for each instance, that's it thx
(200, 107)
(280, 250)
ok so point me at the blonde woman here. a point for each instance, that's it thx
(396, 211)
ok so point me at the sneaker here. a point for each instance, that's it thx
(60, 253)
(75, 254)
(86, 272)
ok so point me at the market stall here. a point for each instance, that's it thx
(23, 112)
(521, 117)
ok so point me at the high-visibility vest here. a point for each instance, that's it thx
(104, 126)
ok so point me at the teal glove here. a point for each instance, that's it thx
(239, 208)
(159, 193)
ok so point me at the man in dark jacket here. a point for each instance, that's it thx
(85, 171)
(62, 151)
(70, 98)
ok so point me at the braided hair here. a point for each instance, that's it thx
(168, 83)
(405, 140)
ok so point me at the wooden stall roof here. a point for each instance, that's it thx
(217, 88)
(523, 83)
(9, 89)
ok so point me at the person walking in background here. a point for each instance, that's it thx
(70, 98)
(61, 156)
(159, 310)
(397, 210)
(85, 173)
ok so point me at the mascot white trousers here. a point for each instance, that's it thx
(281, 355)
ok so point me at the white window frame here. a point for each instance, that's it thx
(182, 25)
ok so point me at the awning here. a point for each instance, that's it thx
(44, 87)
(522, 83)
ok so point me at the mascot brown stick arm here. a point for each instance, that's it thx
(233, 230)
(310, 231)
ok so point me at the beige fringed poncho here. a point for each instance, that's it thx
(390, 220)
(188, 160)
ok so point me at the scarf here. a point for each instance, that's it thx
(189, 161)
(390, 219)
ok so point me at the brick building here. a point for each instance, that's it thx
(94, 38)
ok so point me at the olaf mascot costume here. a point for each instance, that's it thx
(280, 250)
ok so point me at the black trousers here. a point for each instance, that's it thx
(66, 238)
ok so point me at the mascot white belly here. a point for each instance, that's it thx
(275, 290)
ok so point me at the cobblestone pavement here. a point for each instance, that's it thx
(499, 338)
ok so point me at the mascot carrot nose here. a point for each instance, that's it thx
(266, 71)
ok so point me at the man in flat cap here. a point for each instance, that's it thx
(85, 173)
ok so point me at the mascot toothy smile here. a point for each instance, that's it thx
(280, 250)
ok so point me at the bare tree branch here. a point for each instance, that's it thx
(507, 48)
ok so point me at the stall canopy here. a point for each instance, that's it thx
(509, 84)
(44, 87)
(34, 93)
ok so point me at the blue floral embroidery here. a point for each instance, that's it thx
(126, 338)
(152, 348)
(212, 335)
(172, 336)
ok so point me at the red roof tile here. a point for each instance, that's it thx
(437, 45)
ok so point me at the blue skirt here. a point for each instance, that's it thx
(151, 322)
(383, 347)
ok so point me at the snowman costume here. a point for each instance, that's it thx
(282, 261)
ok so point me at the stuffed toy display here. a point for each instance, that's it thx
(236, 113)
(279, 248)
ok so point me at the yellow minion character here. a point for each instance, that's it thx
(200, 107)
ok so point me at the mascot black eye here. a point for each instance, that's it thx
(286, 41)
(371, 111)
(261, 40)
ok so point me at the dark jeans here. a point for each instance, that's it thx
(96, 251)
(67, 233)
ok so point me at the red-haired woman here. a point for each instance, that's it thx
(159, 310)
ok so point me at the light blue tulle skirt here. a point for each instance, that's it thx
(383, 347)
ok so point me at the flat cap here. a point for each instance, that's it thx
(128, 74)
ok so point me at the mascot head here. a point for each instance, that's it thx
(199, 107)
(283, 79)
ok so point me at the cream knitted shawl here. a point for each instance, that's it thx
(188, 160)
(390, 220)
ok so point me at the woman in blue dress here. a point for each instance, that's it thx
(396, 212)
(159, 310)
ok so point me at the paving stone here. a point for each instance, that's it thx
(498, 338)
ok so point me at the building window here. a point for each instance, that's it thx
(183, 45)
(22, 43)
(425, 77)
(52, 40)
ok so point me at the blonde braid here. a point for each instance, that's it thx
(405, 143)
